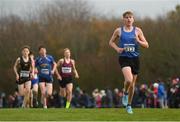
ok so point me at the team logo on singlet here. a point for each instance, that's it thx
(132, 37)
(44, 65)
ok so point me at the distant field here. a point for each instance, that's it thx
(112, 114)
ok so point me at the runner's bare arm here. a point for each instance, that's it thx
(58, 66)
(141, 39)
(15, 68)
(32, 68)
(114, 37)
(74, 69)
(54, 67)
(59, 62)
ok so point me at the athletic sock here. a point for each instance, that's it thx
(128, 104)
(64, 101)
(68, 104)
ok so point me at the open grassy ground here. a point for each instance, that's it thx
(111, 114)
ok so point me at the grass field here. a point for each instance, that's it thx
(111, 114)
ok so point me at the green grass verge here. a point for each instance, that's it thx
(111, 114)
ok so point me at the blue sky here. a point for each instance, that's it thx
(109, 8)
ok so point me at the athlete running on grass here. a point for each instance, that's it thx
(66, 69)
(130, 38)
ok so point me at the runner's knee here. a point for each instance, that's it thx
(49, 93)
(129, 79)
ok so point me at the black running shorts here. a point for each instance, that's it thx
(65, 81)
(131, 62)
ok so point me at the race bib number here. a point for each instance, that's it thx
(66, 69)
(25, 74)
(129, 47)
(45, 71)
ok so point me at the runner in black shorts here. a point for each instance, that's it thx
(130, 38)
(67, 68)
(24, 69)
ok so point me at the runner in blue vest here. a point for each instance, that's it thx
(130, 38)
(46, 67)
